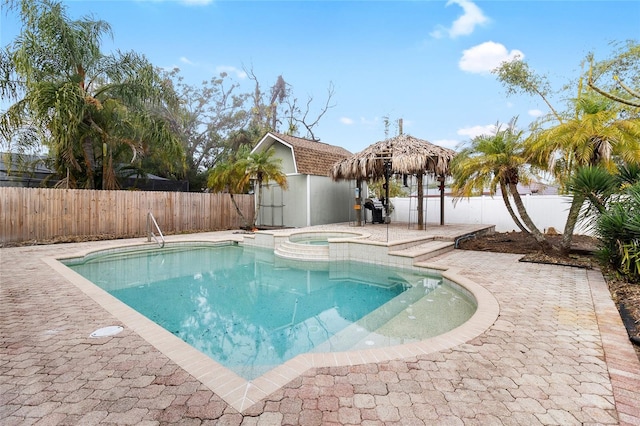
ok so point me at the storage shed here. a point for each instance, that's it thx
(312, 197)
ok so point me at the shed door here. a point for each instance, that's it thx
(271, 206)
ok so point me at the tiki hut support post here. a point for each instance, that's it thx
(387, 174)
(358, 205)
(441, 188)
(420, 201)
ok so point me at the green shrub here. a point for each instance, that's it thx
(618, 229)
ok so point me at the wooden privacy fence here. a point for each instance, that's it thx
(28, 214)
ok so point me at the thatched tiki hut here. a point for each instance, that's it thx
(402, 155)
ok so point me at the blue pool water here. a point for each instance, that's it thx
(251, 311)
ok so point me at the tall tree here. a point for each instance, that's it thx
(517, 77)
(93, 111)
(492, 162)
(266, 109)
(208, 119)
(280, 91)
(596, 135)
(281, 111)
(617, 78)
(593, 132)
(297, 118)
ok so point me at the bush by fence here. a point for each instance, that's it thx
(36, 214)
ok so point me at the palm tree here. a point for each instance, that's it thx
(261, 167)
(596, 135)
(496, 161)
(229, 176)
(92, 111)
(595, 185)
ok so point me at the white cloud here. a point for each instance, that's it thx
(170, 68)
(186, 60)
(232, 70)
(185, 2)
(363, 121)
(368, 122)
(535, 112)
(447, 143)
(472, 132)
(486, 56)
(438, 32)
(196, 2)
(465, 24)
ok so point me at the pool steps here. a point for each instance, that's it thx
(407, 254)
(425, 250)
(295, 251)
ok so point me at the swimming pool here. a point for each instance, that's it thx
(251, 311)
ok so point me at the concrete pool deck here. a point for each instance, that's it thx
(556, 354)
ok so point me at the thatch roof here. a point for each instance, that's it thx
(409, 155)
(312, 157)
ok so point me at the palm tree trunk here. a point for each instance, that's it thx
(89, 162)
(507, 203)
(572, 219)
(258, 192)
(539, 236)
(235, 204)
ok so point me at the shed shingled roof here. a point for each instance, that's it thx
(313, 158)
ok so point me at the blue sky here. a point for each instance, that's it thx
(426, 62)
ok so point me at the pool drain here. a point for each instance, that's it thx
(111, 330)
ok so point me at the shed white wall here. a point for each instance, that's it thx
(284, 153)
(330, 201)
(296, 209)
(309, 200)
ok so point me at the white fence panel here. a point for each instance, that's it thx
(545, 210)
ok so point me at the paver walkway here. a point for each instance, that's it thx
(557, 354)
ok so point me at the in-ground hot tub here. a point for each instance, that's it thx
(313, 246)
(321, 238)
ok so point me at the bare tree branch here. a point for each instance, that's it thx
(294, 120)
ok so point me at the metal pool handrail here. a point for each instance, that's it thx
(152, 220)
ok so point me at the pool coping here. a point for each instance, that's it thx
(242, 394)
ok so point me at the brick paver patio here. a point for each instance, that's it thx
(557, 354)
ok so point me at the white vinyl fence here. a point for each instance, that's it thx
(545, 210)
